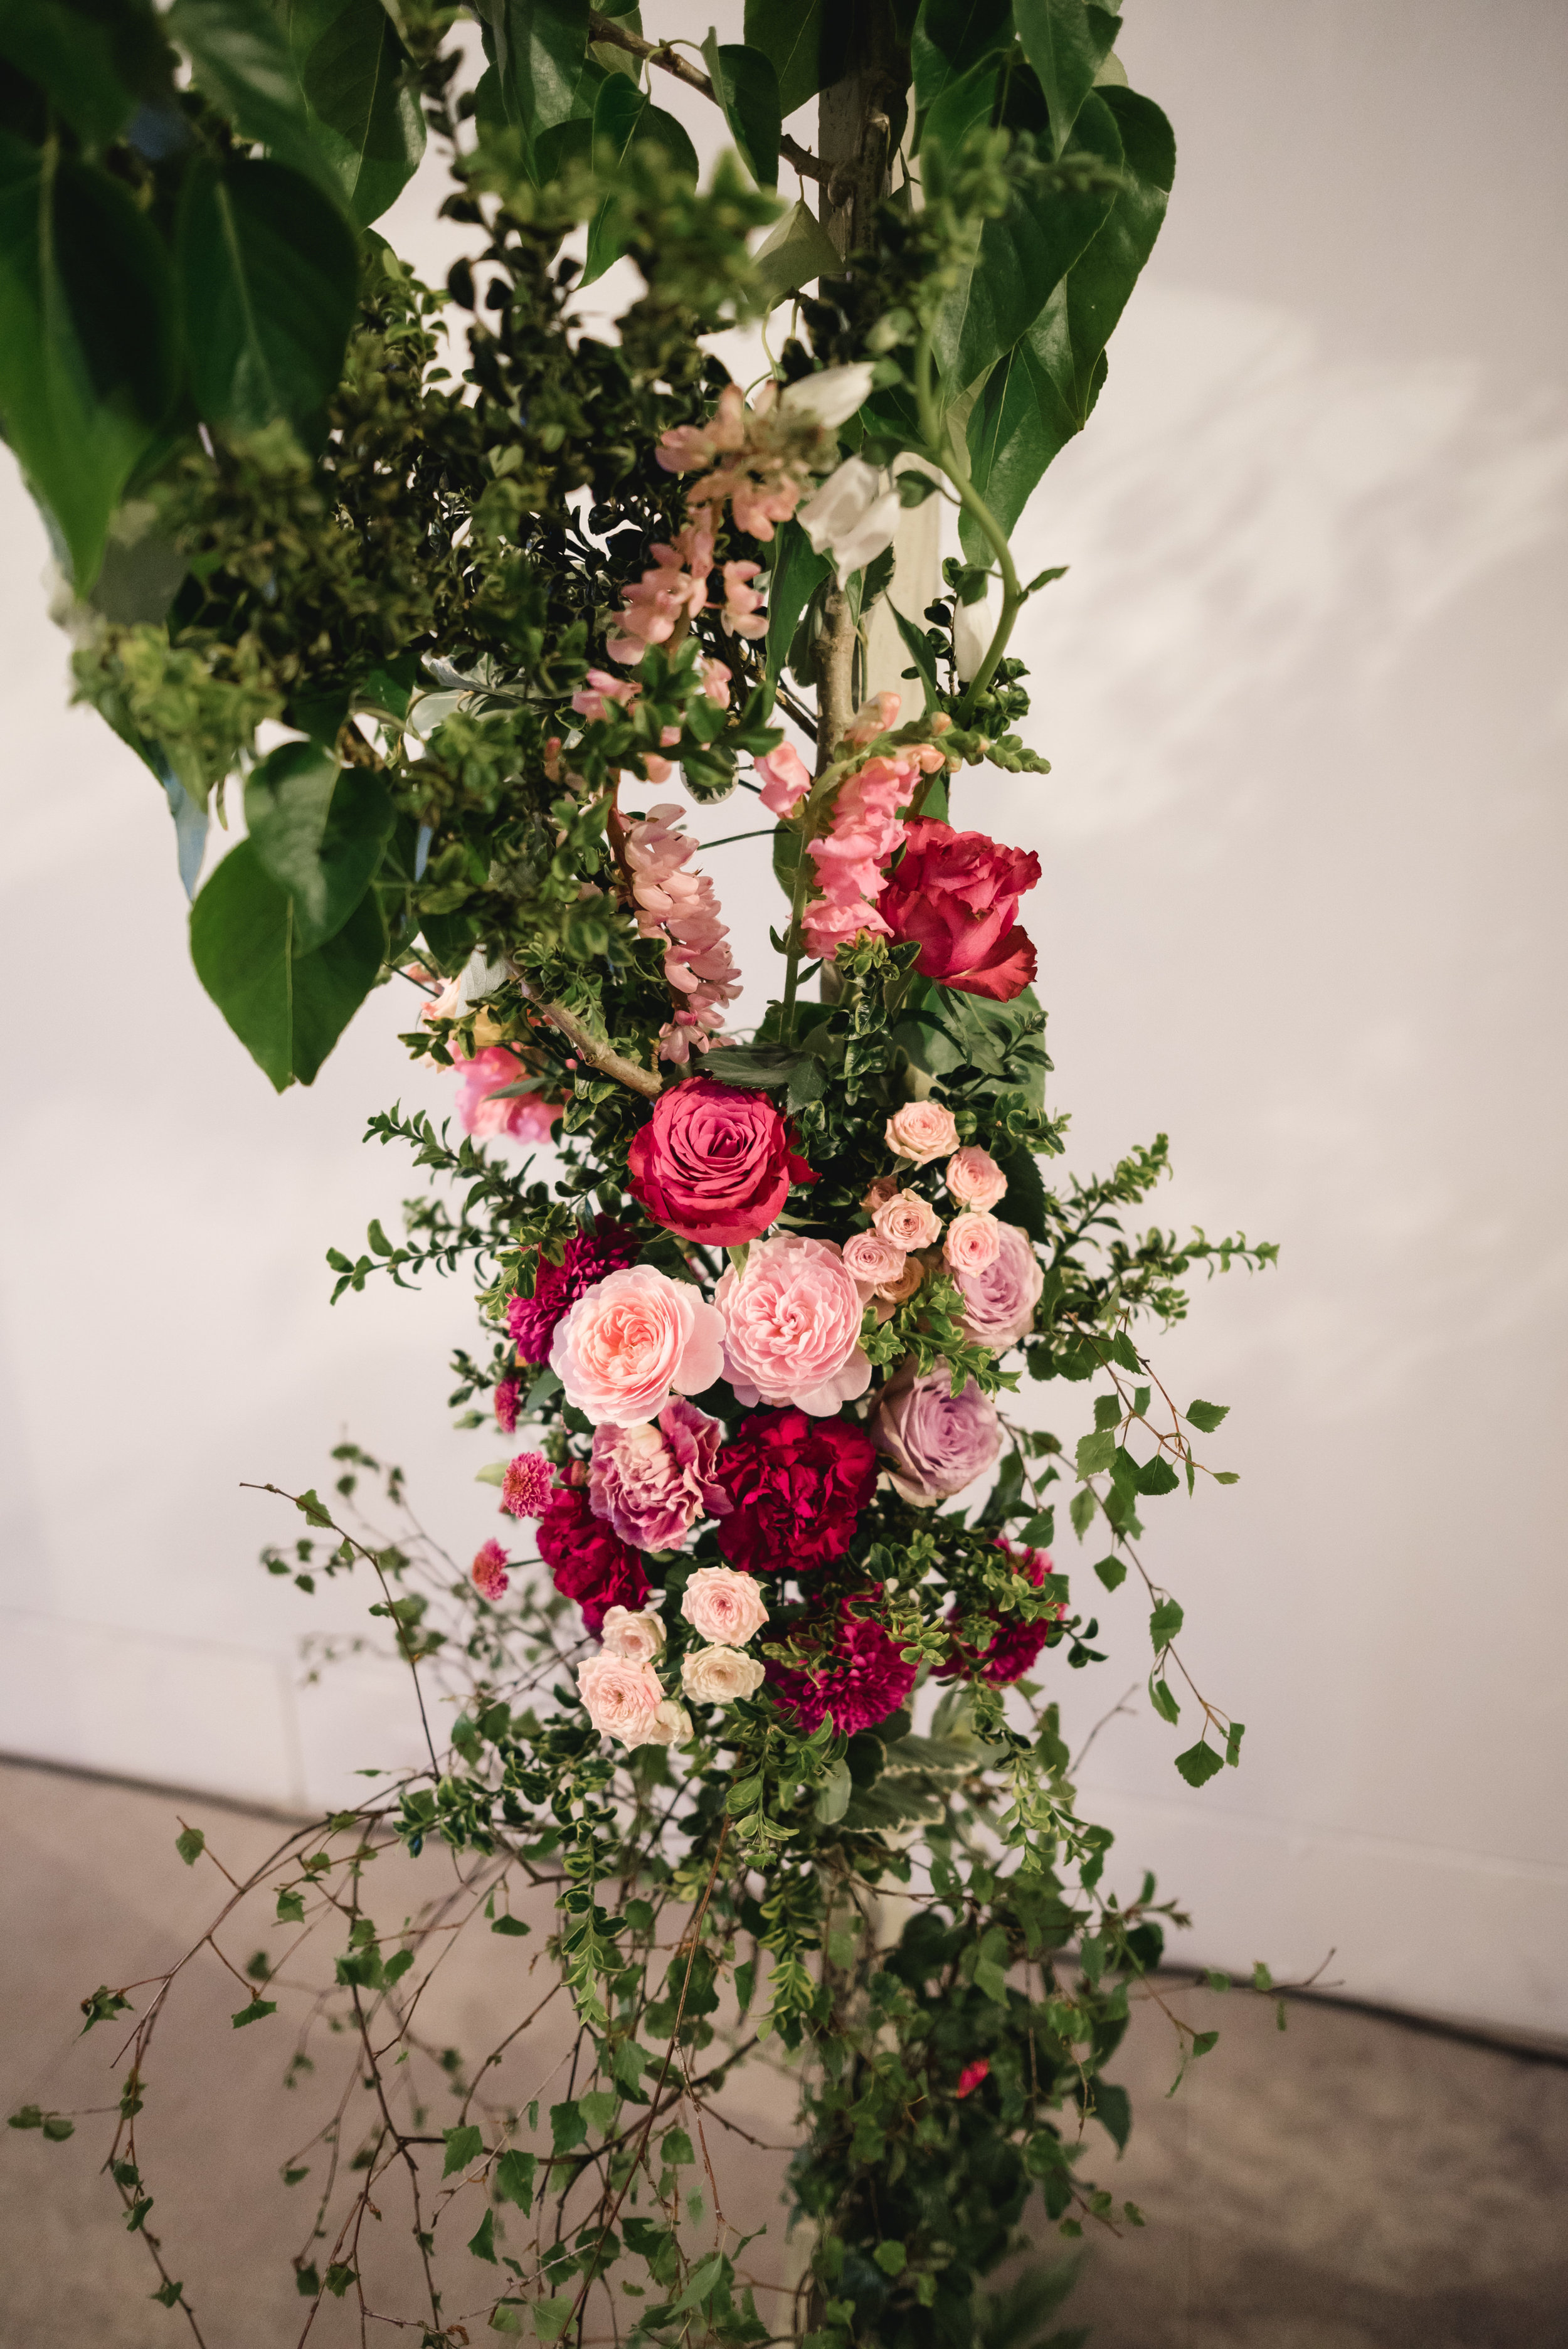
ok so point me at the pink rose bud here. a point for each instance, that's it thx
(975, 1179)
(908, 1221)
(922, 1131)
(724, 1604)
(972, 1242)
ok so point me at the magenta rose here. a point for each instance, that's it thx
(714, 1162)
(531, 1320)
(796, 1486)
(999, 1299)
(937, 1441)
(858, 1676)
(589, 1561)
(1006, 1656)
(955, 895)
(652, 1481)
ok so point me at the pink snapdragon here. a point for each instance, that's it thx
(760, 477)
(667, 597)
(786, 780)
(867, 832)
(742, 615)
(681, 910)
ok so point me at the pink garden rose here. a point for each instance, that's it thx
(622, 1699)
(872, 1261)
(908, 1221)
(922, 1131)
(715, 1163)
(972, 1243)
(632, 1340)
(637, 1638)
(719, 1675)
(652, 1482)
(975, 1180)
(723, 1606)
(792, 1327)
(938, 1440)
(1000, 1300)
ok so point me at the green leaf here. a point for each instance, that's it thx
(1157, 1476)
(1106, 1412)
(798, 569)
(791, 35)
(1096, 1452)
(794, 253)
(319, 831)
(257, 2008)
(80, 60)
(464, 2145)
(1233, 1736)
(168, 2293)
(762, 1067)
(834, 1795)
(746, 83)
(1165, 1622)
(240, 58)
(269, 280)
(339, 2276)
(511, 1925)
(1082, 1509)
(361, 99)
(625, 117)
(568, 2127)
(1111, 1572)
(481, 2243)
(1164, 1702)
(288, 1009)
(675, 2148)
(514, 2179)
(966, 103)
(892, 2258)
(191, 1845)
(87, 367)
(551, 2316)
(1067, 43)
(313, 1509)
(1198, 1765)
(540, 50)
(1207, 1416)
(1024, 1203)
(951, 36)
(1113, 2108)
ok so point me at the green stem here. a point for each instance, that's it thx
(973, 502)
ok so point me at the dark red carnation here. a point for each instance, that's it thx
(955, 894)
(859, 1677)
(714, 1162)
(590, 1562)
(531, 1320)
(796, 1486)
(1006, 1657)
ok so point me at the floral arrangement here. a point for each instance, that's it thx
(751, 1687)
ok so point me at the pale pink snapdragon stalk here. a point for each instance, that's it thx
(681, 908)
(866, 833)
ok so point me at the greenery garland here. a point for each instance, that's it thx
(774, 1733)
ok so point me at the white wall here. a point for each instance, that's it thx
(1303, 851)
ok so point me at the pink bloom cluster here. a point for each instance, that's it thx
(751, 464)
(666, 600)
(681, 910)
(867, 832)
(598, 689)
(527, 1117)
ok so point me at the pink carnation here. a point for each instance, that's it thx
(487, 1572)
(508, 1395)
(723, 1605)
(651, 1483)
(792, 1327)
(632, 1342)
(860, 1678)
(1000, 1300)
(529, 1481)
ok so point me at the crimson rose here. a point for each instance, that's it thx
(714, 1162)
(796, 1486)
(590, 1562)
(956, 895)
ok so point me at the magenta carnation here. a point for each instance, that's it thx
(796, 1486)
(527, 1486)
(531, 1320)
(1007, 1657)
(859, 1680)
(590, 1562)
(508, 1395)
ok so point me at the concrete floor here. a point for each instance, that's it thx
(1351, 2183)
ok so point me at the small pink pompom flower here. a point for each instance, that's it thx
(529, 1482)
(508, 1394)
(487, 1572)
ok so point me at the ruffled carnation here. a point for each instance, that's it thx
(714, 1162)
(723, 1606)
(488, 1573)
(938, 1442)
(652, 1482)
(792, 1327)
(955, 894)
(527, 1486)
(975, 1180)
(588, 1561)
(631, 1340)
(860, 1678)
(531, 1320)
(796, 1487)
(1000, 1300)
(1015, 1644)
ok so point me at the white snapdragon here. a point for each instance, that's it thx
(852, 515)
(973, 626)
(832, 396)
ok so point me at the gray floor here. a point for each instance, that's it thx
(1351, 2183)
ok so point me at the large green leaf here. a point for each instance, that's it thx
(539, 48)
(240, 58)
(85, 62)
(797, 251)
(747, 84)
(269, 277)
(796, 569)
(288, 1008)
(87, 339)
(623, 117)
(318, 831)
(1022, 258)
(1044, 390)
(951, 36)
(1067, 43)
(966, 102)
(802, 40)
(362, 102)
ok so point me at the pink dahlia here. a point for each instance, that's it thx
(860, 1678)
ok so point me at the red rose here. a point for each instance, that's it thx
(956, 895)
(858, 1676)
(589, 1562)
(796, 1487)
(714, 1162)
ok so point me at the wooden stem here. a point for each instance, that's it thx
(601, 1056)
(670, 61)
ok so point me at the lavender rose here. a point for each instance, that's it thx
(937, 1441)
(999, 1299)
